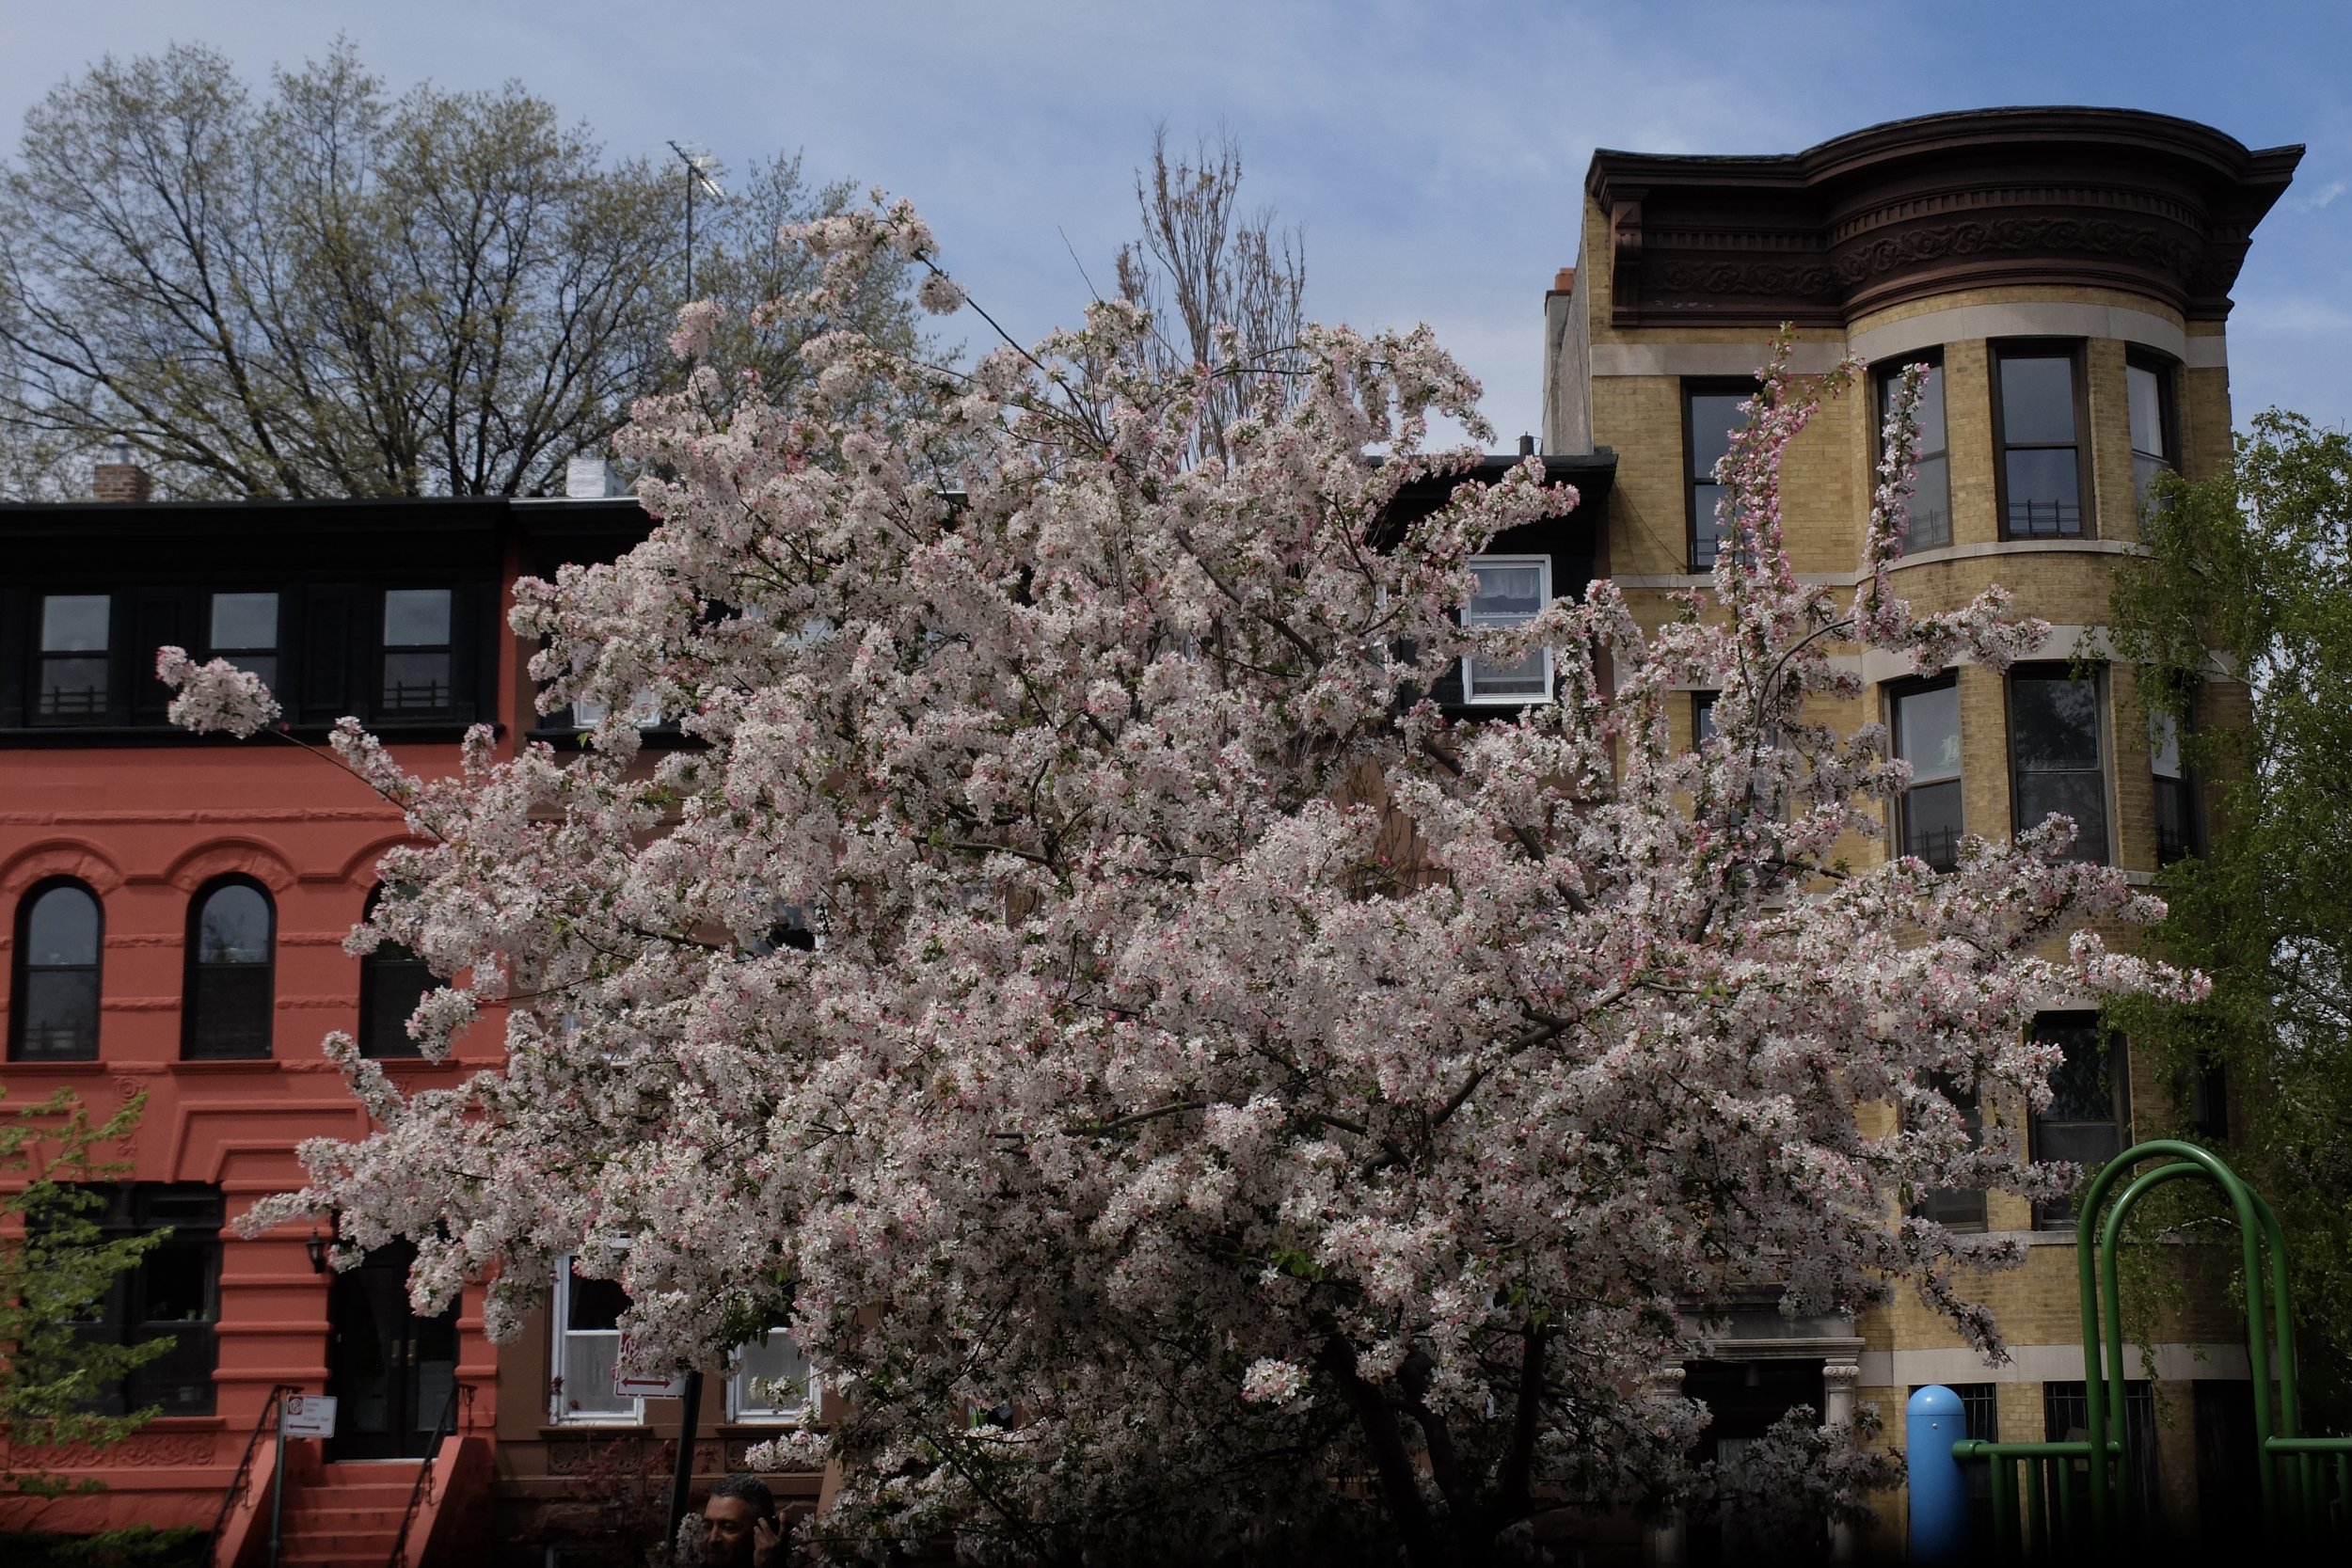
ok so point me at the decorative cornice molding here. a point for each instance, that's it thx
(2103, 198)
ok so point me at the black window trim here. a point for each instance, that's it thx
(17, 986)
(192, 963)
(2116, 1064)
(1692, 387)
(372, 977)
(1882, 373)
(1898, 818)
(2051, 670)
(2041, 348)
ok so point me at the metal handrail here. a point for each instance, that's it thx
(419, 1492)
(238, 1482)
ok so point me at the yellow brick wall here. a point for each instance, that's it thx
(1825, 495)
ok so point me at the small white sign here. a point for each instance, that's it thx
(666, 1386)
(308, 1416)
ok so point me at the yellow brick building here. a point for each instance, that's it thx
(2066, 273)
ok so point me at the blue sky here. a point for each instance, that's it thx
(1433, 153)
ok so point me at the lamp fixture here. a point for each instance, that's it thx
(316, 1247)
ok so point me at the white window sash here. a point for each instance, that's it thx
(1471, 694)
(613, 1410)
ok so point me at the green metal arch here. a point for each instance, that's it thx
(2103, 1317)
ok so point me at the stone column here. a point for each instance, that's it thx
(1837, 1385)
(1664, 1544)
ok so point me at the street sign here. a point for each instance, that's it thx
(308, 1416)
(666, 1386)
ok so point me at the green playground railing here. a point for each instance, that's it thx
(2048, 1495)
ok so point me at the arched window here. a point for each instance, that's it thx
(232, 935)
(59, 933)
(392, 980)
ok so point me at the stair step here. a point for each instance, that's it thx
(313, 1519)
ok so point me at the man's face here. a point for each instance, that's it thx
(727, 1531)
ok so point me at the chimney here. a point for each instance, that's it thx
(1527, 446)
(120, 481)
(589, 479)
(1562, 280)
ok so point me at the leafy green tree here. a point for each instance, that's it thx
(328, 289)
(55, 1266)
(2239, 619)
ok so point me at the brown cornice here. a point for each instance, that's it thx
(2071, 197)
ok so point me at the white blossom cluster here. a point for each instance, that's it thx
(1232, 1105)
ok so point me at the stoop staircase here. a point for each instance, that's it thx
(346, 1515)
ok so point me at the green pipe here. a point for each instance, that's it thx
(2004, 1505)
(2034, 1537)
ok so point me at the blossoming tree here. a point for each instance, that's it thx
(1160, 1142)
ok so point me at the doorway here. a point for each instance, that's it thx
(393, 1372)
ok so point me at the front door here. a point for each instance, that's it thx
(391, 1371)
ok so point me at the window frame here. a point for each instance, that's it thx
(1970, 1104)
(1544, 597)
(2167, 372)
(371, 978)
(275, 652)
(129, 1213)
(385, 648)
(1693, 388)
(2071, 350)
(193, 965)
(739, 1409)
(2182, 787)
(2045, 670)
(1882, 376)
(1899, 814)
(2115, 1067)
(21, 969)
(108, 705)
(558, 1364)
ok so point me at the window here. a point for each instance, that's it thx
(1702, 718)
(2176, 834)
(60, 932)
(1930, 525)
(1511, 591)
(1926, 723)
(2037, 413)
(75, 671)
(230, 992)
(173, 1293)
(1710, 412)
(645, 710)
(417, 649)
(392, 980)
(245, 632)
(2066, 1419)
(2087, 1120)
(587, 1350)
(2148, 391)
(1957, 1208)
(772, 1381)
(2054, 756)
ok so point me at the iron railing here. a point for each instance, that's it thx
(238, 1483)
(422, 1493)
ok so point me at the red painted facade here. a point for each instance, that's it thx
(97, 792)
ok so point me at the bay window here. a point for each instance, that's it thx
(1926, 724)
(2088, 1121)
(2056, 755)
(2148, 391)
(2037, 419)
(1930, 524)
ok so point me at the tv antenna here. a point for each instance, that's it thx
(701, 173)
